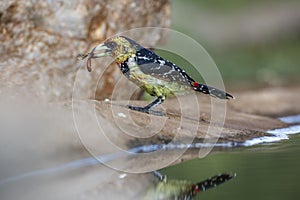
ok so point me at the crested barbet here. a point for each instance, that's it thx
(157, 76)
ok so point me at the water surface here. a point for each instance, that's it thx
(265, 171)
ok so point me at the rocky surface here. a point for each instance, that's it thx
(273, 102)
(41, 39)
(41, 151)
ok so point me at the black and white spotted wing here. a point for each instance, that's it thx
(152, 64)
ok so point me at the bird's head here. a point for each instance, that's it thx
(120, 48)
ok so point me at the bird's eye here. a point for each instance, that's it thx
(111, 45)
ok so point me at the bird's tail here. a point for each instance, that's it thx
(212, 182)
(214, 92)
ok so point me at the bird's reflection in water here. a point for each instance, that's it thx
(183, 189)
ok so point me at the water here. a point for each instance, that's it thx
(265, 171)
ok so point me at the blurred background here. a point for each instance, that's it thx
(254, 43)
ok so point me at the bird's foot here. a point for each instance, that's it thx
(147, 110)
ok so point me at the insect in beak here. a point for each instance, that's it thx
(97, 52)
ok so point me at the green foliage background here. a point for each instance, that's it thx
(273, 61)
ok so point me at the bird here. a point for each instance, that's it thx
(155, 75)
(183, 189)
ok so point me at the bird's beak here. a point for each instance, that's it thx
(99, 51)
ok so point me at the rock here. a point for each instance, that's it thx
(273, 102)
(40, 42)
(56, 145)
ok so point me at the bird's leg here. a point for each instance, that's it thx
(149, 108)
(154, 103)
